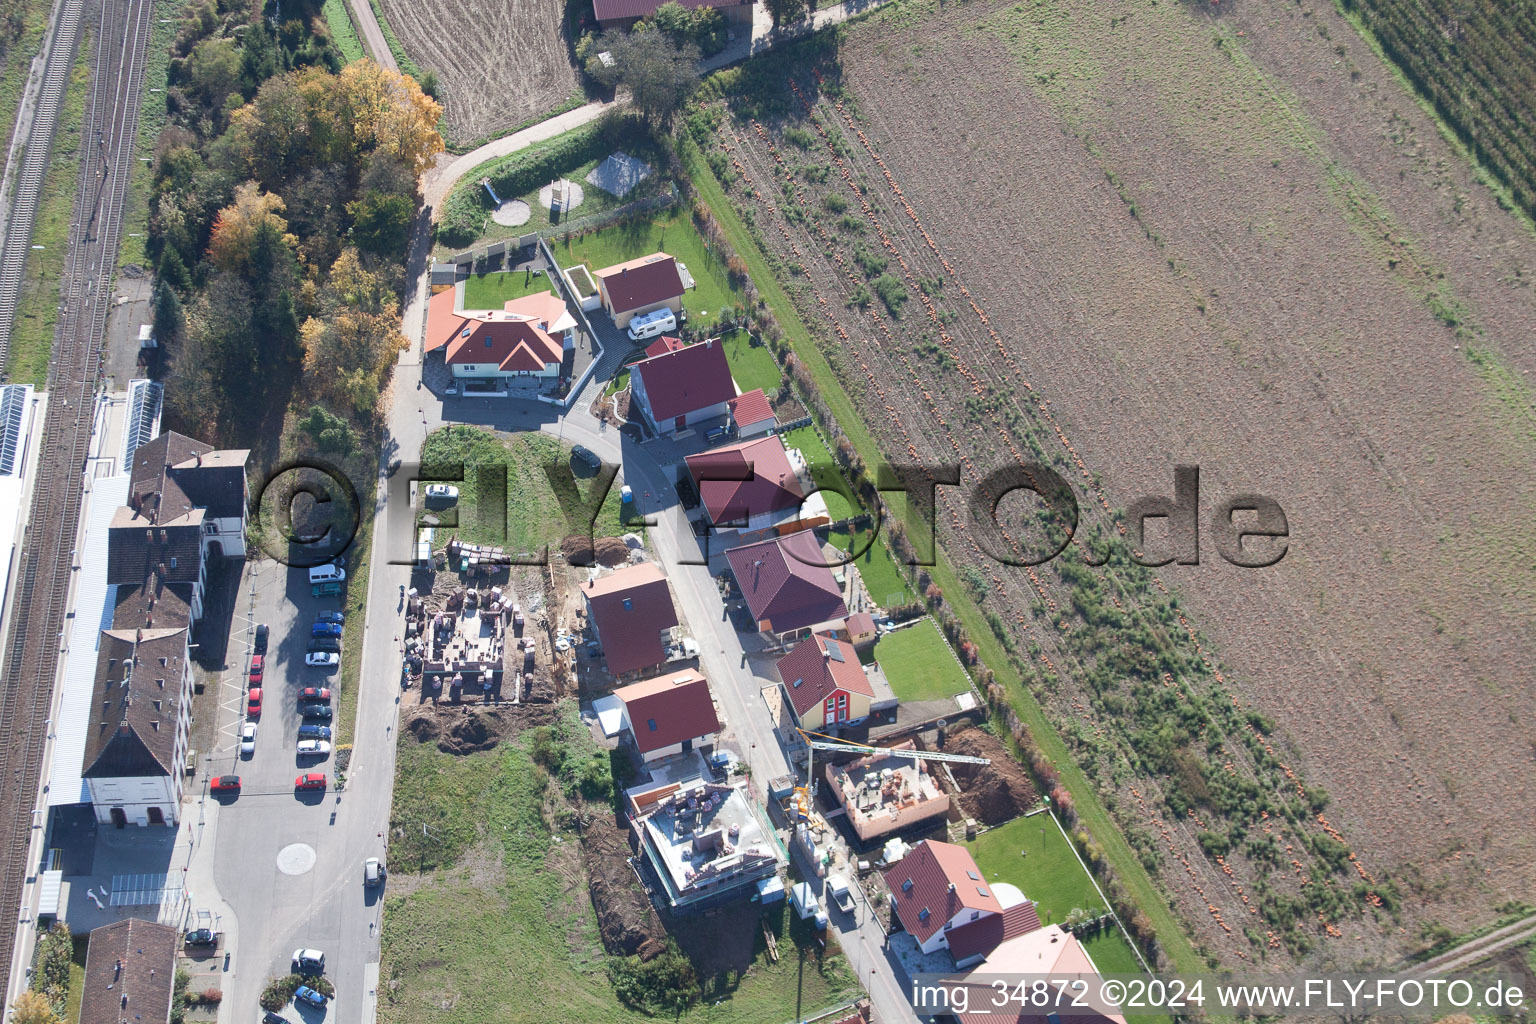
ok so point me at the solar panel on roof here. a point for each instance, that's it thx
(834, 652)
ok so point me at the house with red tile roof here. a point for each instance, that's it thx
(825, 683)
(786, 583)
(944, 903)
(664, 344)
(522, 345)
(682, 388)
(1049, 952)
(670, 714)
(130, 973)
(751, 414)
(756, 485)
(631, 614)
(640, 286)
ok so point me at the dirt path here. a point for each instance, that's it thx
(372, 35)
(1469, 953)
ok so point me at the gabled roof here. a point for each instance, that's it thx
(173, 475)
(860, 624)
(512, 339)
(686, 379)
(641, 282)
(989, 931)
(130, 973)
(786, 581)
(629, 609)
(751, 407)
(543, 308)
(941, 879)
(669, 710)
(153, 603)
(128, 735)
(758, 476)
(136, 547)
(665, 343)
(1044, 951)
(608, 10)
(818, 667)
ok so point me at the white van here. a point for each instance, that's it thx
(656, 322)
(329, 573)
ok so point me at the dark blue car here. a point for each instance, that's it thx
(309, 995)
(311, 731)
(325, 629)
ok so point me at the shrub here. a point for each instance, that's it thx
(891, 293)
(835, 203)
(665, 984)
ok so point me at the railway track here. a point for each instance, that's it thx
(26, 692)
(69, 19)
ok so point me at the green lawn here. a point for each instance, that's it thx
(752, 366)
(339, 20)
(152, 118)
(619, 383)
(491, 291)
(508, 471)
(1050, 874)
(672, 233)
(919, 664)
(508, 935)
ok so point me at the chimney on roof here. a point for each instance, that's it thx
(624, 272)
(199, 460)
(163, 538)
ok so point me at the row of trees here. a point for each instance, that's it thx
(284, 194)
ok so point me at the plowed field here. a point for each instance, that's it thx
(1137, 236)
(499, 63)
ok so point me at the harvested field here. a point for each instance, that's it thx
(995, 793)
(498, 64)
(1232, 242)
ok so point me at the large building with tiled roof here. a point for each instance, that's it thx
(186, 504)
(1049, 953)
(786, 583)
(523, 344)
(141, 713)
(944, 903)
(756, 485)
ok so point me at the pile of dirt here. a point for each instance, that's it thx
(577, 549)
(991, 793)
(625, 918)
(467, 728)
(611, 551)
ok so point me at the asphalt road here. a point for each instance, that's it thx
(289, 864)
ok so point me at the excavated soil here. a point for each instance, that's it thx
(467, 728)
(625, 916)
(994, 793)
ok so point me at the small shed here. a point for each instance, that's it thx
(147, 337)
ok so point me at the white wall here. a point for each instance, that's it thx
(135, 796)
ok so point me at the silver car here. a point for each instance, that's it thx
(248, 739)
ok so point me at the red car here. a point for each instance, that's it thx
(319, 693)
(253, 703)
(258, 664)
(225, 784)
(310, 780)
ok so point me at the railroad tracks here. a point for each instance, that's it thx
(31, 663)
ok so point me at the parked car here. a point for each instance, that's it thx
(259, 643)
(253, 703)
(258, 666)
(325, 643)
(271, 1018)
(310, 780)
(320, 711)
(442, 492)
(202, 937)
(586, 457)
(225, 784)
(248, 738)
(337, 617)
(373, 871)
(315, 693)
(309, 961)
(322, 659)
(331, 589)
(330, 573)
(313, 748)
(325, 629)
(313, 731)
(309, 995)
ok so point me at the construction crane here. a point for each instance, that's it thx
(820, 741)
